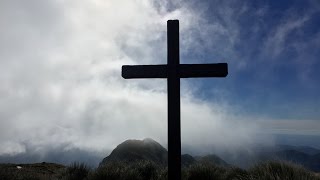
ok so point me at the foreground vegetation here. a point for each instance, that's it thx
(149, 171)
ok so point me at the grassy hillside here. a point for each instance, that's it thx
(144, 170)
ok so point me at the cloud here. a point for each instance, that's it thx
(278, 40)
(290, 126)
(11, 148)
(60, 77)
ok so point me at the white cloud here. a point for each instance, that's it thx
(277, 42)
(11, 148)
(61, 85)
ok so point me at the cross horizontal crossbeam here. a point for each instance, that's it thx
(184, 71)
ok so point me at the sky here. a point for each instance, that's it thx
(62, 94)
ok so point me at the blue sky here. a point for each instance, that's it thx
(61, 86)
(273, 61)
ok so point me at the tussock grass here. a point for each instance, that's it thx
(273, 170)
(76, 171)
(142, 170)
(145, 170)
(205, 172)
(280, 170)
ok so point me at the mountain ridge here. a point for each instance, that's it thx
(309, 157)
(133, 150)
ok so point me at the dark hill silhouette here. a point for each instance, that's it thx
(137, 150)
(305, 149)
(187, 160)
(213, 159)
(131, 151)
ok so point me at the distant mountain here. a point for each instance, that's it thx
(213, 159)
(187, 160)
(305, 149)
(137, 150)
(131, 151)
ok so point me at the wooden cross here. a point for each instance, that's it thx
(173, 71)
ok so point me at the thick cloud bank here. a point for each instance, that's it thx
(61, 86)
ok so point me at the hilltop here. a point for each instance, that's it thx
(137, 150)
(131, 151)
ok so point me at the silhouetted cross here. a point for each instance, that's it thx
(173, 71)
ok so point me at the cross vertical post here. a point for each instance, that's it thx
(173, 80)
(173, 71)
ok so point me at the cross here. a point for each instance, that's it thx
(173, 71)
